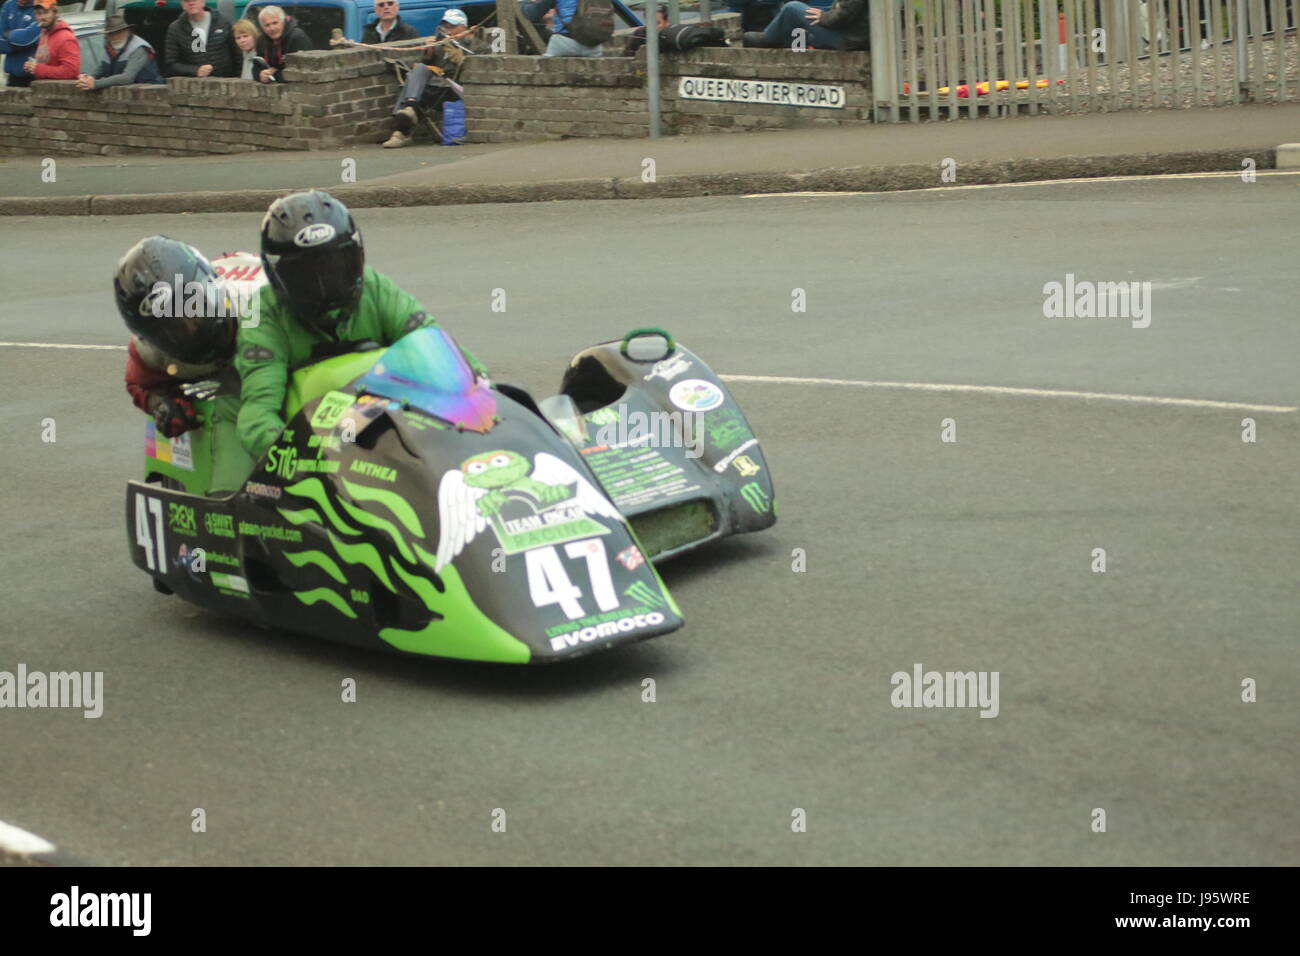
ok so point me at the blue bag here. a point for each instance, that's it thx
(453, 122)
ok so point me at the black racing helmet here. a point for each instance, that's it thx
(171, 297)
(313, 255)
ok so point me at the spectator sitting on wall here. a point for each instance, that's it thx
(199, 43)
(58, 55)
(418, 91)
(560, 43)
(19, 33)
(455, 28)
(280, 37)
(246, 36)
(844, 26)
(127, 59)
(390, 27)
(755, 15)
(677, 38)
(637, 40)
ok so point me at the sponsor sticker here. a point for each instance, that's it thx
(269, 531)
(369, 468)
(668, 369)
(194, 561)
(643, 593)
(608, 629)
(757, 498)
(726, 427)
(282, 461)
(182, 452)
(177, 451)
(721, 466)
(259, 490)
(526, 503)
(181, 518)
(631, 557)
(229, 582)
(331, 409)
(695, 395)
(222, 526)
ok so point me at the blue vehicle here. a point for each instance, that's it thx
(319, 18)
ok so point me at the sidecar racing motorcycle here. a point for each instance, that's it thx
(411, 506)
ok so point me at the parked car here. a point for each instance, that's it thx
(86, 17)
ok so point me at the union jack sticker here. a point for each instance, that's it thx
(631, 558)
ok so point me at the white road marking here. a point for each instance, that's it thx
(1007, 390)
(1039, 182)
(1176, 283)
(914, 386)
(56, 345)
(16, 840)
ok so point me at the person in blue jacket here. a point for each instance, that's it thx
(560, 43)
(20, 34)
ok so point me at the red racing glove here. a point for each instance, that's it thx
(174, 415)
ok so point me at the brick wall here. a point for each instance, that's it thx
(522, 98)
(330, 99)
(336, 99)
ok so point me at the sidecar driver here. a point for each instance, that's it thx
(321, 292)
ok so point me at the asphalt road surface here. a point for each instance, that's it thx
(1118, 690)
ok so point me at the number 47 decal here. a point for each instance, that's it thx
(143, 508)
(548, 583)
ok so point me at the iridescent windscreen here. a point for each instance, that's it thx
(426, 369)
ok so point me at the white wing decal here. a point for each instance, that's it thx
(554, 471)
(459, 520)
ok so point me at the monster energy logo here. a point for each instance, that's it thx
(757, 498)
(641, 592)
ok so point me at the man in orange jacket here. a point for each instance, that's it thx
(58, 55)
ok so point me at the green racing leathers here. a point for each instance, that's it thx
(277, 344)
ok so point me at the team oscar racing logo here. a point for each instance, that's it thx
(527, 504)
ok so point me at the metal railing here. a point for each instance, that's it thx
(943, 59)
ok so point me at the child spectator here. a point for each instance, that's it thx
(246, 37)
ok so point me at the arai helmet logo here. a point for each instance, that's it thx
(314, 235)
(157, 300)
